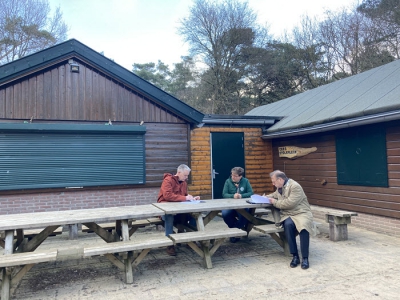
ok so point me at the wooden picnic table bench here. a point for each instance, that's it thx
(211, 208)
(338, 220)
(51, 221)
(204, 237)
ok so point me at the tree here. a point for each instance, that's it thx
(385, 15)
(219, 32)
(386, 10)
(159, 74)
(26, 27)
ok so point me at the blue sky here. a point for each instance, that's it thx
(141, 31)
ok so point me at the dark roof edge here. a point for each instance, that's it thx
(70, 47)
(364, 120)
(238, 120)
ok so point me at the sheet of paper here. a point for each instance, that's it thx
(192, 201)
(259, 199)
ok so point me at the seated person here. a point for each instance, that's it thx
(174, 189)
(236, 187)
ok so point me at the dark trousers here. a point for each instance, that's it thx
(291, 232)
(171, 220)
(233, 219)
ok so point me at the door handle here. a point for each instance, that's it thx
(214, 173)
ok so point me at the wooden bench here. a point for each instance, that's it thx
(204, 237)
(125, 262)
(261, 212)
(338, 221)
(277, 233)
(134, 225)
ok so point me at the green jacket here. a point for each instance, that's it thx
(230, 189)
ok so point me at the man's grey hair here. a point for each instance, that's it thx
(182, 168)
(278, 174)
(238, 171)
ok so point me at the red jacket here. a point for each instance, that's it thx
(172, 190)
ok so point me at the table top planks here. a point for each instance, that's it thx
(49, 218)
(206, 205)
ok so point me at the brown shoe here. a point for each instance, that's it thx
(171, 250)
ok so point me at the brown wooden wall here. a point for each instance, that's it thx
(258, 160)
(311, 169)
(167, 146)
(58, 94)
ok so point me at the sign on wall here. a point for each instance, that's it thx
(295, 152)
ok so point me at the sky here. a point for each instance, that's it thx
(142, 31)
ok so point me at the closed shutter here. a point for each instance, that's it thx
(361, 157)
(49, 156)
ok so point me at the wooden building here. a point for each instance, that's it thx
(354, 123)
(79, 131)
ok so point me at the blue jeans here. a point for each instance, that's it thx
(290, 233)
(233, 219)
(171, 220)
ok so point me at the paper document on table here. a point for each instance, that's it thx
(255, 199)
(192, 201)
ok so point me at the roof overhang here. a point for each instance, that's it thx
(359, 121)
(238, 120)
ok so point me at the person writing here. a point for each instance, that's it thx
(174, 189)
(296, 215)
(237, 187)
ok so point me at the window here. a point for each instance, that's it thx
(53, 155)
(361, 157)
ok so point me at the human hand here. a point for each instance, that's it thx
(197, 198)
(189, 197)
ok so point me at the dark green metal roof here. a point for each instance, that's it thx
(74, 48)
(369, 97)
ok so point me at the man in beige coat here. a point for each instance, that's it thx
(296, 215)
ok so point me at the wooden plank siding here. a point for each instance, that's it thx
(58, 94)
(258, 160)
(167, 146)
(312, 169)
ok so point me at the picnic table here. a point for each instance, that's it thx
(21, 253)
(211, 208)
(19, 250)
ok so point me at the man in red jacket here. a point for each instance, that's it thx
(174, 189)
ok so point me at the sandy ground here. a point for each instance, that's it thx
(367, 266)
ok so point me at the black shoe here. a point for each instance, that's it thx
(171, 251)
(304, 264)
(234, 239)
(295, 261)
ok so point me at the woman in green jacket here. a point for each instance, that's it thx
(237, 187)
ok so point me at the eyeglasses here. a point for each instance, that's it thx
(235, 175)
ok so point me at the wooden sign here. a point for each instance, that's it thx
(295, 152)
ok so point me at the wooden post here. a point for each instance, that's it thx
(6, 276)
(73, 231)
(337, 227)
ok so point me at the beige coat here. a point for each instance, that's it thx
(293, 203)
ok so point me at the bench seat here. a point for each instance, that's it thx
(338, 221)
(197, 236)
(262, 212)
(271, 228)
(134, 225)
(205, 237)
(18, 259)
(133, 245)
